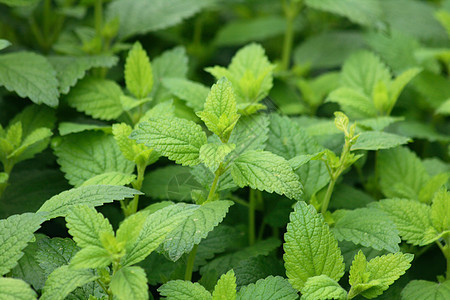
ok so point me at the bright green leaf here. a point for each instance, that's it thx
(375, 140)
(110, 178)
(225, 288)
(310, 247)
(440, 210)
(130, 282)
(15, 233)
(213, 154)
(61, 282)
(267, 172)
(138, 72)
(192, 92)
(29, 75)
(15, 289)
(270, 288)
(422, 289)
(184, 290)
(353, 102)
(92, 195)
(99, 98)
(322, 287)
(91, 257)
(178, 139)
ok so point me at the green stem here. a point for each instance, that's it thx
(47, 22)
(291, 11)
(239, 201)
(98, 16)
(212, 191)
(326, 199)
(251, 218)
(190, 263)
(132, 207)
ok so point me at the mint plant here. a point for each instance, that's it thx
(204, 149)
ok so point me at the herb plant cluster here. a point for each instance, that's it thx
(239, 149)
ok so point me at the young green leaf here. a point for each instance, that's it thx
(440, 210)
(130, 282)
(353, 102)
(11, 288)
(33, 117)
(99, 98)
(70, 69)
(220, 112)
(372, 278)
(93, 195)
(91, 257)
(88, 154)
(432, 186)
(86, 226)
(375, 140)
(178, 139)
(322, 287)
(110, 178)
(270, 288)
(64, 280)
(29, 75)
(195, 228)
(225, 288)
(138, 72)
(184, 290)
(267, 172)
(422, 289)
(368, 227)
(4, 44)
(401, 173)
(250, 72)
(155, 229)
(412, 218)
(213, 154)
(15, 233)
(310, 248)
(399, 83)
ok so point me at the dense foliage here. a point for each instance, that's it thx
(212, 149)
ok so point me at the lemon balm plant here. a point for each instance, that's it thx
(224, 149)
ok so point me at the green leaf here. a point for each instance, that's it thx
(184, 290)
(33, 143)
(412, 218)
(130, 282)
(70, 69)
(92, 195)
(155, 230)
(88, 154)
(195, 228)
(19, 2)
(29, 75)
(375, 140)
(290, 140)
(4, 44)
(54, 253)
(250, 73)
(110, 178)
(322, 287)
(353, 102)
(266, 171)
(444, 109)
(192, 92)
(422, 289)
(250, 133)
(66, 128)
(226, 262)
(372, 278)
(368, 227)
(178, 139)
(86, 225)
(220, 112)
(15, 233)
(138, 72)
(440, 210)
(399, 83)
(225, 288)
(432, 186)
(378, 123)
(401, 173)
(270, 288)
(310, 248)
(213, 154)
(363, 70)
(11, 288)
(99, 98)
(33, 117)
(130, 228)
(91, 257)
(61, 282)
(140, 18)
(364, 12)
(242, 31)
